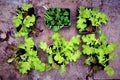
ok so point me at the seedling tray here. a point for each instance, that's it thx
(65, 26)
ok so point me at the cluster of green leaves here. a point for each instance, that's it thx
(26, 55)
(97, 50)
(62, 52)
(29, 59)
(56, 18)
(25, 22)
(93, 15)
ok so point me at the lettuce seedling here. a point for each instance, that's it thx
(61, 52)
(90, 17)
(22, 21)
(27, 59)
(57, 18)
(25, 6)
(97, 50)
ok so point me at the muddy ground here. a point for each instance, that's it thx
(74, 71)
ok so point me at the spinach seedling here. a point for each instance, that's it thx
(57, 18)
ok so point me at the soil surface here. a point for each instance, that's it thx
(74, 71)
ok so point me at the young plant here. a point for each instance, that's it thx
(24, 20)
(61, 52)
(89, 18)
(98, 51)
(57, 18)
(26, 57)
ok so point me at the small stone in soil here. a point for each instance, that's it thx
(3, 35)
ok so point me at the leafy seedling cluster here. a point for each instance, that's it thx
(97, 50)
(57, 18)
(24, 20)
(27, 58)
(61, 52)
(89, 18)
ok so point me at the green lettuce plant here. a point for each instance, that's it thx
(26, 57)
(22, 21)
(89, 18)
(61, 52)
(57, 18)
(97, 50)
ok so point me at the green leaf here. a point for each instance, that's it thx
(22, 46)
(58, 10)
(10, 60)
(55, 66)
(75, 39)
(32, 52)
(90, 60)
(19, 34)
(16, 21)
(109, 70)
(39, 66)
(76, 55)
(88, 50)
(23, 67)
(101, 58)
(59, 23)
(55, 28)
(62, 70)
(59, 58)
(66, 13)
(43, 45)
(29, 43)
(52, 23)
(55, 36)
(25, 6)
(42, 67)
(89, 38)
(50, 59)
(61, 18)
(112, 56)
(48, 67)
(24, 57)
(102, 36)
(110, 47)
(48, 18)
(29, 21)
(81, 8)
(48, 26)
